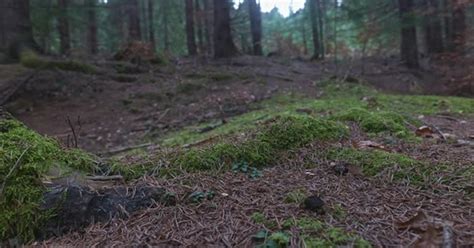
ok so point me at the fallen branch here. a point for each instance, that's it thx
(105, 178)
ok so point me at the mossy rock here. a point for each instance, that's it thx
(31, 60)
(25, 159)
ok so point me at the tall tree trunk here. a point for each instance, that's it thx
(200, 26)
(134, 30)
(208, 25)
(15, 28)
(92, 30)
(459, 26)
(63, 27)
(223, 43)
(151, 29)
(303, 34)
(321, 28)
(448, 32)
(432, 26)
(255, 14)
(408, 48)
(190, 35)
(314, 28)
(166, 39)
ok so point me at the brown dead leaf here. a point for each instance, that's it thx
(425, 131)
(415, 221)
(429, 239)
(367, 144)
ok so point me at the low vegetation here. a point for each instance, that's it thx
(32, 60)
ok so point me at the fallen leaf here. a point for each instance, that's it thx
(367, 144)
(425, 131)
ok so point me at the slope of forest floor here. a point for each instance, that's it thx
(241, 144)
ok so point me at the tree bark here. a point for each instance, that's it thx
(408, 47)
(208, 26)
(321, 28)
(448, 32)
(256, 27)
(134, 30)
(151, 30)
(432, 26)
(63, 27)
(200, 26)
(92, 30)
(459, 26)
(15, 28)
(190, 35)
(314, 28)
(164, 12)
(224, 46)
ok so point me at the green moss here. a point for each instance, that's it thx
(318, 234)
(25, 158)
(32, 60)
(296, 196)
(281, 134)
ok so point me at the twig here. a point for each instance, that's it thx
(73, 132)
(128, 148)
(12, 170)
(105, 178)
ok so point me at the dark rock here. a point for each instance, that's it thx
(340, 168)
(314, 203)
(75, 207)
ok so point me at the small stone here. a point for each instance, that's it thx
(340, 168)
(314, 203)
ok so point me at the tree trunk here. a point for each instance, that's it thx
(134, 31)
(314, 28)
(200, 26)
(321, 28)
(448, 32)
(92, 30)
(15, 28)
(408, 48)
(190, 35)
(63, 27)
(166, 39)
(151, 30)
(432, 26)
(208, 26)
(459, 26)
(223, 43)
(304, 36)
(256, 27)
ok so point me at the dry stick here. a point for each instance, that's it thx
(125, 149)
(12, 170)
(105, 178)
(73, 131)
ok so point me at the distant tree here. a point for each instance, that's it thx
(200, 25)
(134, 30)
(223, 43)
(314, 28)
(320, 12)
(190, 33)
(151, 21)
(208, 13)
(92, 27)
(459, 26)
(63, 27)
(15, 27)
(432, 27)
(408, 38)
(255, 14)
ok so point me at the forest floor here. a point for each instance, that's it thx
(405, 186)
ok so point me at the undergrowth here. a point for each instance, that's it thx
(25, 158)
(32, 60)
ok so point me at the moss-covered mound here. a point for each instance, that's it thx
(25, 158)
(31, 60)
(280, 134)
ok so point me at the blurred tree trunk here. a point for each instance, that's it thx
(92, 30)
(223, 43)
(303, 34)
(256, 27)
(448, 32)
(15, 28)
(151, 21)
(134, 30)
(408, 48)
(432, 26)
(314, 28)
(200, 26)
(459, 26)
(190, 35)
(63, 27)
(321, 28)
(208, 13)
(164, 12)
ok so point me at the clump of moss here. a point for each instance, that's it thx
(318, 234)
(25, 157)
(32, 60)
(281, 134)
(296, 196)
(376, 122)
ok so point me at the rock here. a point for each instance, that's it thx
(314, 203)
(75, 207)
(340, 168)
